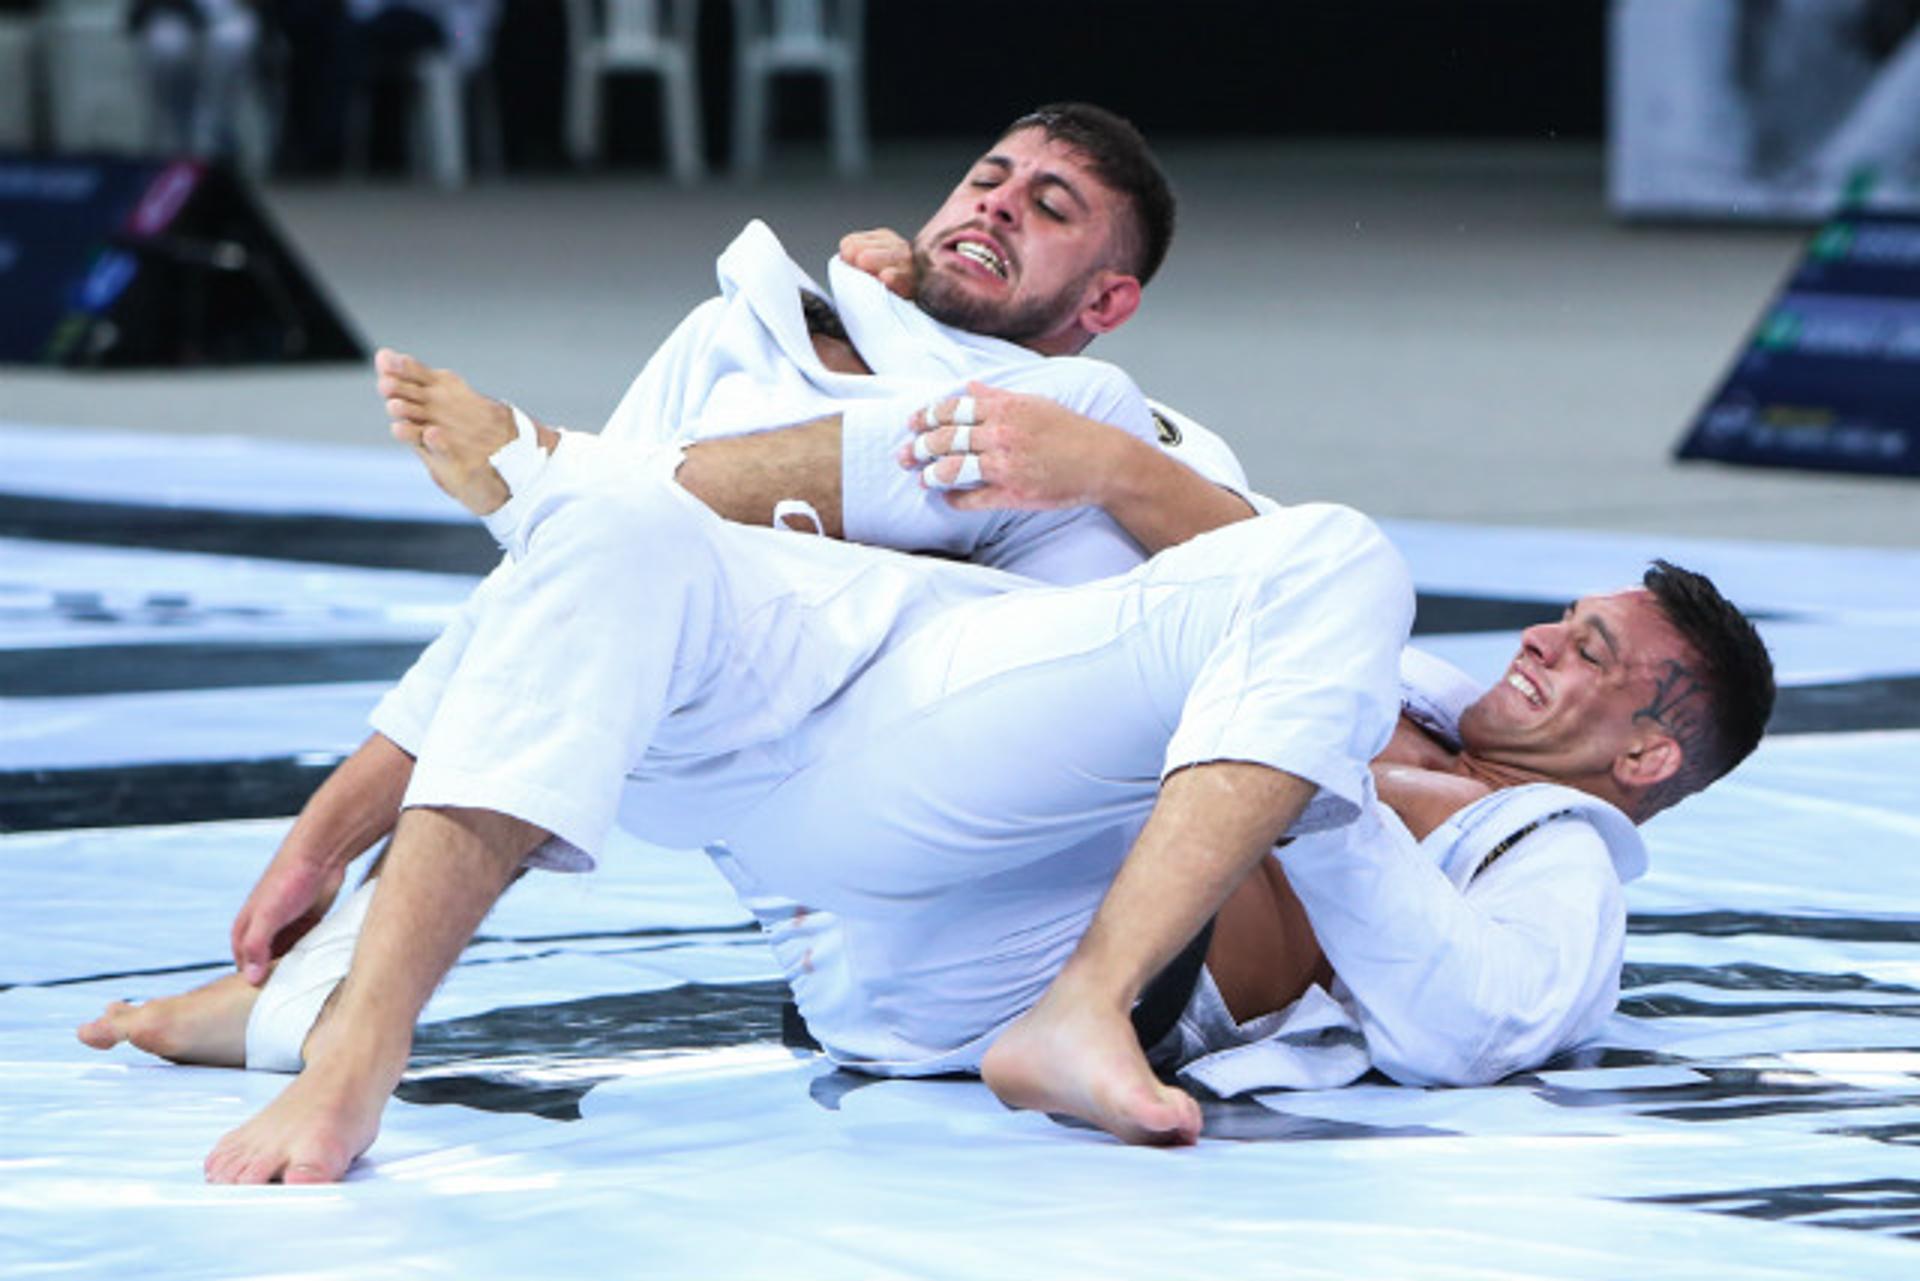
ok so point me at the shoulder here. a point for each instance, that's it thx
(1549, 822)
(1204, 450)
(1079, 378)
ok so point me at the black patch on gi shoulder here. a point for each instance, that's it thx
(334, 540)
(1169, 433)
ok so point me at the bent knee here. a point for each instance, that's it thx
(1334, 549)
(626, 526)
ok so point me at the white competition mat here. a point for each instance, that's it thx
(599, 1089)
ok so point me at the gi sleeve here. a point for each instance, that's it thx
(1464, 987)
(884, 505)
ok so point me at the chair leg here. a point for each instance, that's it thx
(583, 112)
(443, 116)
(847, 88)
(359, 127)
(681, 124)
(490, 142)
(749, 118)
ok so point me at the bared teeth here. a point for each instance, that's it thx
(1528, 690)
(982, 254)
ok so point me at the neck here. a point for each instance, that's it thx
(839, 355)
(1498, 774)
(1067, 342)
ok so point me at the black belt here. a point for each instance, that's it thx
(1163, 999)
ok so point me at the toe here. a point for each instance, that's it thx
(105, 1032)
(315, 1170)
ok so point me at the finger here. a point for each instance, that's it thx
(982, 497)
(250, 953)
(952, 472)
(853, 244)
(402, 389)
(898, 279)
(400, 365)
(935, 442)
(957, 411)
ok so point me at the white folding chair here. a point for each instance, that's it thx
(95, 87)
(97, 98)
(438, 118)
(819, 37)
(657, 36)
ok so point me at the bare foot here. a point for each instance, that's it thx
(1074, 1058)
(453, 428)
(207, 1026)
(327, 1116)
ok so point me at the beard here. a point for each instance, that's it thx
(943, 298)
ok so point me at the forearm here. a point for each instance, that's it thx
(356, 806)
(1211, 826)
(742, 478)
(1160, 502)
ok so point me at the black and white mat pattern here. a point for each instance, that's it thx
(191, 632)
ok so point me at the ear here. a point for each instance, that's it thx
(1112, 299)
(1652, 760)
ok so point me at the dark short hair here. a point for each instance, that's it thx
(1735, 672)
(1120, 158)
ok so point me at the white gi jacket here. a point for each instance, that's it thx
(1479, 952)
(744, 361)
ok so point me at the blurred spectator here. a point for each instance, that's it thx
(197, 55)
(337, 48)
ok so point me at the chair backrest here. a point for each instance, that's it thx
(633, 31)
(794, 25)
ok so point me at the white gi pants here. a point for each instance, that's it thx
(949, 760)
(731, 677)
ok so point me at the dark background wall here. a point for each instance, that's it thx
(1245, 67)
(1179, 68)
